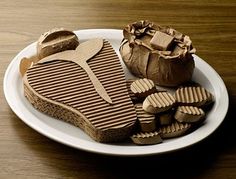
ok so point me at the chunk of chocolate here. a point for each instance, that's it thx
(193, 96)
(158, 102)
(161, 41)
(175, 129)
(146, 138)
(56, 40)
(143, 87)
(189, 114)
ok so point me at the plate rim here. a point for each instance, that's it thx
(87, 145)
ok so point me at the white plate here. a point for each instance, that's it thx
(74, 137)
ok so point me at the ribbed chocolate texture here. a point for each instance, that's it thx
(143, 87)
(146, 138)
(67, 83)
(146, 120)
(158, 102)
(174, 130)
(146, 134)
(131, 94)
(194, 96)
(189, 114)
(190, 110)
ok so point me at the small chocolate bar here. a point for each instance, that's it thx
(161, 41)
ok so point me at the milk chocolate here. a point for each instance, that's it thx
(171, 67)
(158, 102)
(193, 96)
(143, 87)
(63, 89)
(175, 129)
(161, 41)
(146, 138)
(56, 40)
(189, 114)
(25, 63)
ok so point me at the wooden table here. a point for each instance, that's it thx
(211, 25)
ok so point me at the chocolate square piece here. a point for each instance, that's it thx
(161, 41)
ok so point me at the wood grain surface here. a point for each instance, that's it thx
(211, 24)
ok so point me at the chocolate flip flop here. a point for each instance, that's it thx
(98, 103)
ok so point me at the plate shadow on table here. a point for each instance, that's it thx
(192, 162)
